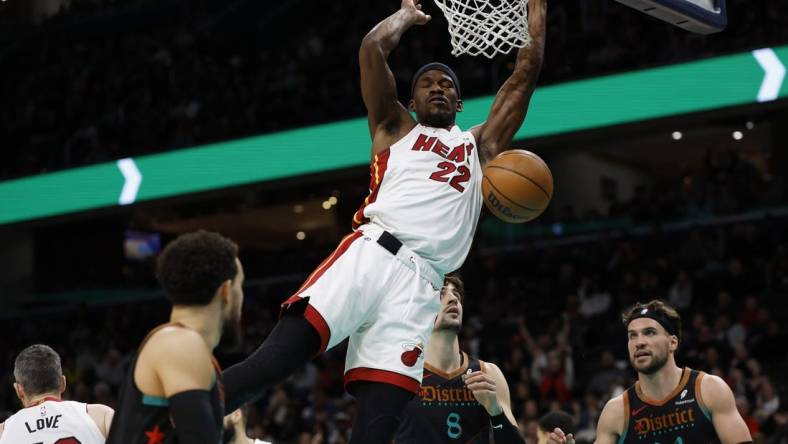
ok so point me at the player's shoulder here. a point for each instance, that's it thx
(174, 342)
(613, 413)
(100, 409)
(714, 392)
(101, 416)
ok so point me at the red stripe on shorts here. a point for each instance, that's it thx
(312, 315)
(344, 244)
(377, 375)
(377, 169)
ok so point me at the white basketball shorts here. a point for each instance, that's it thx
(384, 297)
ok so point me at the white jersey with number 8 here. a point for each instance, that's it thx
(426, 191)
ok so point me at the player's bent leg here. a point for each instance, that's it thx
(379, 409)
(291, 344)
(323, 312)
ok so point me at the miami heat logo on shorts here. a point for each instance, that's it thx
(412, 353)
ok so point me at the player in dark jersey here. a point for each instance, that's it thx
(173, 391)
(668, 404)
(462, 399)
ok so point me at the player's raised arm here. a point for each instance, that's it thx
(511, 103)
(728, 423)
(378, 86)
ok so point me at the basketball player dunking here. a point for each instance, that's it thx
(45, 416)
(462, 399)
(381, 286)
(173, 390)
(667, 404)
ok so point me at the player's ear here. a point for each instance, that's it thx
(62, 384)
(459, 105)
(20, 392)
(674, 343)
(225, 290)
(412, 105)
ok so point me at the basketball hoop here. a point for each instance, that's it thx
(486, 27)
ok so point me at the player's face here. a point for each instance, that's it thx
(232, 334)
(435, 100)
(450, 316)
(649, 345)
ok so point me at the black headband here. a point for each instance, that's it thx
(663, 320)
(439, 67)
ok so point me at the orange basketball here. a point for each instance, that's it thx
(517, 186)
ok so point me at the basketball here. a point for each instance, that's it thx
(517, 186)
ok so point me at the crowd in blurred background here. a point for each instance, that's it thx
(104, 80)
(100, 82)
(547, 315)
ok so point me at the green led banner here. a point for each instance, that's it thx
(738, 79)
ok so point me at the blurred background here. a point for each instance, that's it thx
(225, 108)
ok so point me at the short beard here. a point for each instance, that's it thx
(656, 365)
(232, 336)
(443, 326)
(441, 119)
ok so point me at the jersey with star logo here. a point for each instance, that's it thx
(142, 419)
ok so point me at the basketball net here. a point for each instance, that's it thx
(486, 27)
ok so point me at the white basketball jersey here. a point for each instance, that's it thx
(426, 191)
(52, 422)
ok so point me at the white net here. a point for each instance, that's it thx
(486, 27)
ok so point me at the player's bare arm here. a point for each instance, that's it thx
(511, 103)
(490, 389)
(608, 429)
(388, 119)
(176, 364)
(102, 416)
(174, 360)
(728, 423)
(611, 421)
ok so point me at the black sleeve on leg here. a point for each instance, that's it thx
(194, 418)
(503, 430)
(291, 344)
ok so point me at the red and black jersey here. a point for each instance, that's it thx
(445, 411)
(143, 419)
(680, 418)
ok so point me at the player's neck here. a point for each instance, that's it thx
(38, 399)
(204, 320)
(443, 351)
(662, 383)
(240, 437)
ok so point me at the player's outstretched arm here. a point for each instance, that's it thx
(728, 423)
(490, 389)
(378, 86)
(511, 103)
